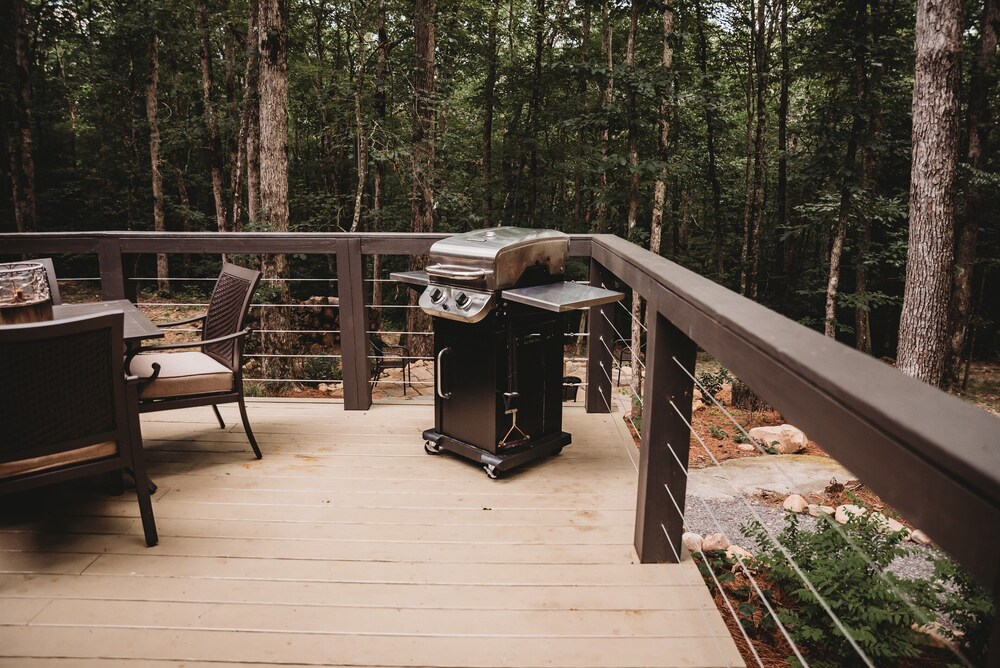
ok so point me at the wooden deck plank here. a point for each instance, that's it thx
(487, 649)
(347, 545)
(352, 595)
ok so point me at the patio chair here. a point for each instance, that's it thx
(389, 356)
(623, 355)
(67, 409)
(212, 375)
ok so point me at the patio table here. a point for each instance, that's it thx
(137, 325)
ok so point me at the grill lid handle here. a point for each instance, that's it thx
(456, 273)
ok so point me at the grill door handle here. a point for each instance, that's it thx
(456, 273)
(440, 374)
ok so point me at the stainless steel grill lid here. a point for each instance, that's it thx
(496, 258)
(468, 273)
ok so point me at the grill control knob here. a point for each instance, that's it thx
(436, 295)
(462, 300)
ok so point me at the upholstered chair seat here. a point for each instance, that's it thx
(181, 375)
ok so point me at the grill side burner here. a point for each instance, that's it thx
(499, 301)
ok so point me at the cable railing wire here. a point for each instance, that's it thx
(777, 544)
(916, 610)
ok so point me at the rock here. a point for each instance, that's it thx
(785, 438)
(323, 387)
(697, 405)
(697, 394)
(692, 541)
(847, 511)
(888, 525)
(920, 538)
(816, 510)
(746, 447)
(734, 551)
(795, 503)
(715, 541)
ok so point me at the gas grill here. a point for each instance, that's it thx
(499, 301)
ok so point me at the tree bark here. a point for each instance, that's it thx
(663, 139)
(152, 102)
(979, 124)
(923, 323)
(273, 40)
(22, 172)
(211, 121)
(424, 134)
(761, 66)
(252, 111)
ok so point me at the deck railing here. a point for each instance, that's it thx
(929, 455)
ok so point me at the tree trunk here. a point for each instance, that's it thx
(22, 172)
(761, 65)
(782, 187)
(606, 94)
(633, 122)
(252, 111)
(381, 65)
(850, 167)
(534, 110)
(273, 40)
(359, 122)
(489, 101)
(211, 122)
(581, 136)
(663, 140)
(979, 123)
(159, 222)
(923, 323)
(424, 134)
(713, 171)
(248, 112)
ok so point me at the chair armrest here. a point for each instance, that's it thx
(178, 346)
(181, 322)
(406, 351)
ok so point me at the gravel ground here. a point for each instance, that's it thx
(705, 516)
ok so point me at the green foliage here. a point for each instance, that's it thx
(317, 370)
(848, 566)
(713, 382)
(717, 433)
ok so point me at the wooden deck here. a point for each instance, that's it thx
(347, 545)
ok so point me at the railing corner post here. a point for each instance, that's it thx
(666, 438)
(353, 325)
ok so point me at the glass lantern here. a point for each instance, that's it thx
(24, 293)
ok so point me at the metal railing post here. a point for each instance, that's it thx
(599, 343)
(109, 253)
(353, 325)
(666, 437)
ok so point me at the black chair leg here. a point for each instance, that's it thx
(247, 429)
(218, 416)
(142, 493)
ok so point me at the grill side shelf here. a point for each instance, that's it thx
(410, 277)
(561, 297)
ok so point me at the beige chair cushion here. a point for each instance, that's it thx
(86, 453)
(181, 374)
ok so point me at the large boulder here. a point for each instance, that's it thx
(795, 503)
(785, 439)
(715, 541)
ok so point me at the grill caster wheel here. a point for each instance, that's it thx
(492, 471)
(432, 448)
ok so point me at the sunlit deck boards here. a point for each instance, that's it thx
(347, 545)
